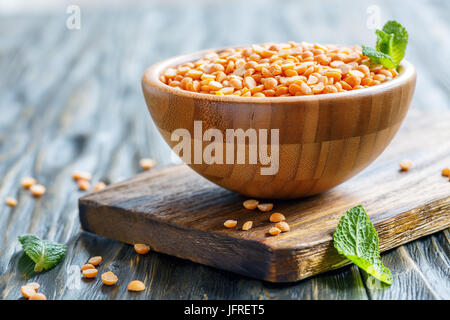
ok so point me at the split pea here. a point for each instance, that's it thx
(265, 207)
(405, 165)
(230, 223)
(251, 204)
(10, 201)
(95, 260)
(274, 231)
(141, 248)
(247, 225)
(136, 285)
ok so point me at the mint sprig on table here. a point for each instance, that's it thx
(356, 239)
(46, 254)
(390, 47)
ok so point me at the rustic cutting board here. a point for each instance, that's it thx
(177, 212)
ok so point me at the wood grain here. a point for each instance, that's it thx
(70, 99)
(177, 212)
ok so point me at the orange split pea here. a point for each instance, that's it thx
(247, 225)
(265, 207)
(274, 231)
(27, 291)
(90, 273)
(10, 201)
(109, 278)
(99, 186)
(446, 172)
(37, 190)
(278, 70)
(230, 223)
(83, 184)
(95, 261)
(405, 165)
(81, 175)
(250, 204)
(283, 226)
(38, 296)
(147, 164)
(141, 248)
(136, 285)
(277, 217)
(87, 266)
(27, 182)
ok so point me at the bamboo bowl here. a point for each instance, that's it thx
(323, 140)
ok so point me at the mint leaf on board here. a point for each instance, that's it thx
(356, 239)
(399, 40)
(378, 57)
(46, 254)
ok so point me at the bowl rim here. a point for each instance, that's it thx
(152, 73)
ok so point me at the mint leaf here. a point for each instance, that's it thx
(356, 239)
(378, 57)
(384, 42)
(46, 254)
(390, 47)
(399, 40)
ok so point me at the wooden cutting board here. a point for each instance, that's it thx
(177, 212)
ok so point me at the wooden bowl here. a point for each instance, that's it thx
(323, 139)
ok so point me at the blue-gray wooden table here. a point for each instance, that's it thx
(71, 99)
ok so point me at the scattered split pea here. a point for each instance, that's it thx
(446, 172)
(136, 285)
(250, 204)
(78, 175)
(283, 226)
(99, 186)
(277, 217)
(405, 165)
(230, 223)
(90, 273)
(141, 248)
(87, 266)
(83, 184)
(147, 164)
(265, 207)
(27, 291)
(95, 261)
(247, 225)
(38, 296)
(27, 182)
(109, 278)
(10, 201)
(37, 190)
(274, 231)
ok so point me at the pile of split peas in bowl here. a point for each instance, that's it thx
(278, 70)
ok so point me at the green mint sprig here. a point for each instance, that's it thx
(46, 254)
(356, 239)
(390, 47)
